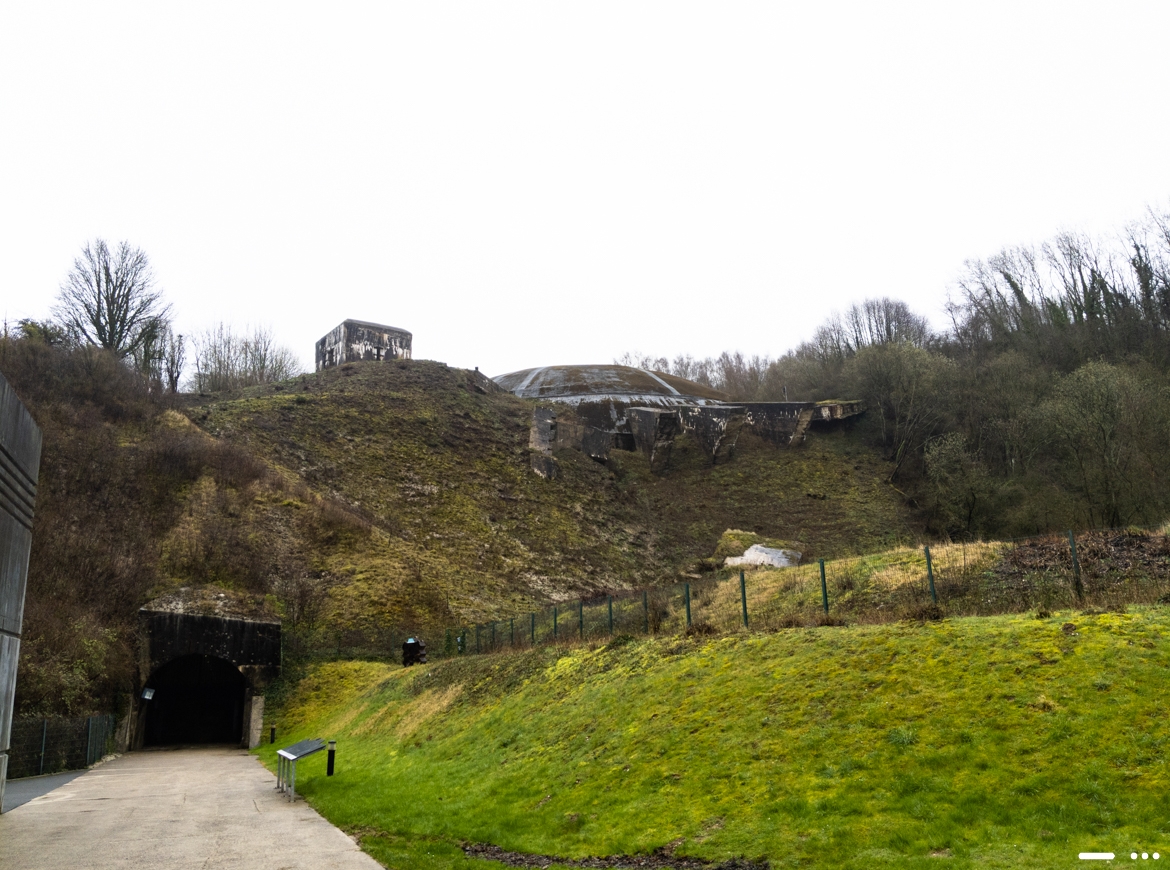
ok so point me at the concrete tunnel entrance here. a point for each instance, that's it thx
(204, 665)
(197, 699)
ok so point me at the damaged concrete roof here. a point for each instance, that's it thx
(213, 601)
(598, 382)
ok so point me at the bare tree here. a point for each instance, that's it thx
(109, 299)
(638, 360)
(174, 357)
(227, 361)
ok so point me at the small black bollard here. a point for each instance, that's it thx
(332, 753)
(824, 586)
(272, 734)
(743, 597)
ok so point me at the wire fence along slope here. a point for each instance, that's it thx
(41, 746)
(1106, 569)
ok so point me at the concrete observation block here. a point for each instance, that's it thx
(355, 340)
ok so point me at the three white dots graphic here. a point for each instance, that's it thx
(1145, 855)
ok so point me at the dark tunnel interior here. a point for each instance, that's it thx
(197, 699)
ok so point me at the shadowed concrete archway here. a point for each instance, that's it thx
(206, 657)
(197, 699)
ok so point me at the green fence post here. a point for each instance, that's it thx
(512, 631)
(930, 575)
(1077, 585)
(610, 597)
(824, 586)
(743, 597)
(645, 613)
(447, 641)
(687, 593)
(532, 628)
(44, 736)
(555, 634)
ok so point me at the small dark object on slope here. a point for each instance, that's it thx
(414, 652)
(658, 860)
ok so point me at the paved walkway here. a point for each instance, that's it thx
(174, 810)
(21, 791)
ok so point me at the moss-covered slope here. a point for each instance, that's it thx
(1005, 741)
(442, 473)
(375, 497)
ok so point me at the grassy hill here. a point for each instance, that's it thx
(1006, 741)
(368, 498)
(441, 473)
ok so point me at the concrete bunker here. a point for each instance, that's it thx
(354, 340)
(599, 408)
(206, 659)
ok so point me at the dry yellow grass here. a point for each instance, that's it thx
(346, 719)
(800, 586)
(422, 708)
(407, 718)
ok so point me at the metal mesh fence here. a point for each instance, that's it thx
(1107, 568)
(42, 746)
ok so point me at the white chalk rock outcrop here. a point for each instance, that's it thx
(773, 558)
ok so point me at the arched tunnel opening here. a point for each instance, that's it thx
(197, 699)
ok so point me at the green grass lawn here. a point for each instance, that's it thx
(992, 742)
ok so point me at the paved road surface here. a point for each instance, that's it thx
(174, 810)
(21, 791)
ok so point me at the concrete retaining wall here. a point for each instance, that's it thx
(20, 462)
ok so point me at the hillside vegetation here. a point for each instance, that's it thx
(441, 473)
(1003, 741)
(1042, 407)
(371, 499)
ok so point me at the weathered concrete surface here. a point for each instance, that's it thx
(543, 432)
(715, 428)
(354, 340)
(598, 383)
(21, 791)
(174, 810)
(20, 461)
(252, 645)
(545, 466)
(787, 422)
(654, 431)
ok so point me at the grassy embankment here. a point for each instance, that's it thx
(1006, 741)
(368, 500)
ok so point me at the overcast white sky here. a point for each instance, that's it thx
(525, 184)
